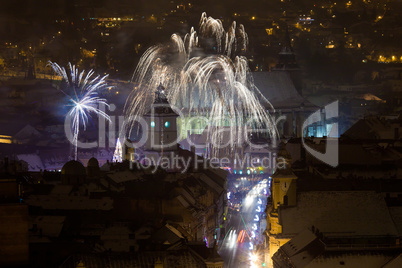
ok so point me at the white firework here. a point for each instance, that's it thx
(83, 93)
(203, 76)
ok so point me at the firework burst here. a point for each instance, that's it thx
(203, 76)
(83, 94)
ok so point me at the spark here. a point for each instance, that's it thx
(204, 76)
(83, 93)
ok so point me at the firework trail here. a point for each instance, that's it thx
(203, 76)
(83, 94)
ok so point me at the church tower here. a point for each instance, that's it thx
(283, 194)
(287, 58)
(287, 62)
(283, 181)
(161, 135)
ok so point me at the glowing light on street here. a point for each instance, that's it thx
(242, 235)
(253, 257)
(251, 246)
(254, 226)
(230, 235)
(256, 218)
(232, 240)
(258, 209)
(248, 201)
(259, 201)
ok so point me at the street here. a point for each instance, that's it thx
(242, 244)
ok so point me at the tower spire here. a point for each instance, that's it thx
(287, 57)
(160, 96)
(288, 43)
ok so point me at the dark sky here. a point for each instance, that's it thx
(40, 8)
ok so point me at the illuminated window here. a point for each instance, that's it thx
(5, 141)
(167, 124)
(240, 171)
(152, 124)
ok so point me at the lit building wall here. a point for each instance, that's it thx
(283, 194)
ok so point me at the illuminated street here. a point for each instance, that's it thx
(242, 244)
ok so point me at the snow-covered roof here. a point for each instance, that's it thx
(93, 188)
(296, 244)
(278, 88)
(171, 258)
(369, 97)
(33, 160)
(303, 248)
(61, 189)
(54, 158)
(168, 234)
(339, 213)
(211, 183)
(50, 225)
(70, 203)
(349, 154)
(370, 128)
(394, 263)
(396, 214)
(124, 176)
(351, 260)
(27, 132)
